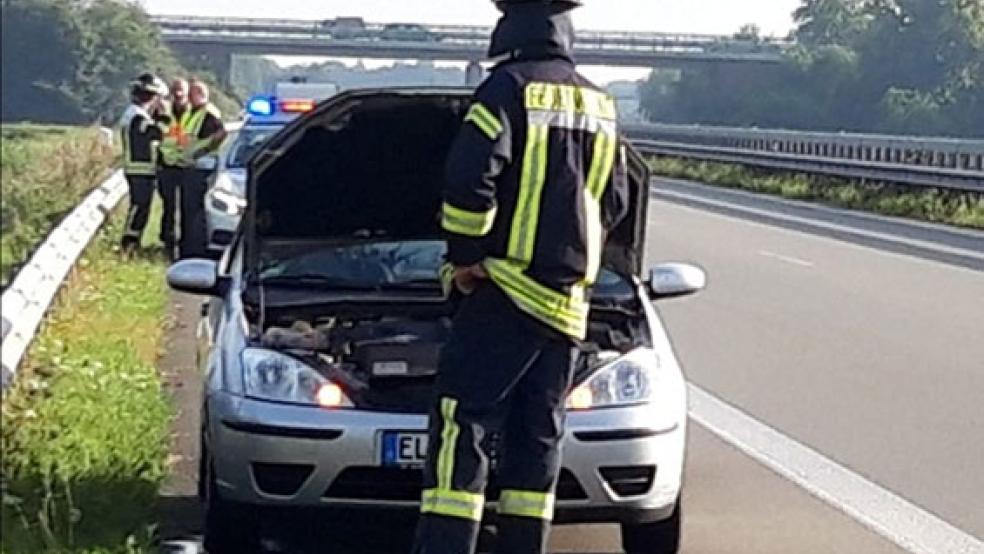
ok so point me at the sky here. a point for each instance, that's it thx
(681, 16)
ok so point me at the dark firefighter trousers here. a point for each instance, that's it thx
(501, 372)
(141, 188)
(193, 242)
(169, 179)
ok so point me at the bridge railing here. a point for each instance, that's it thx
(587, 39)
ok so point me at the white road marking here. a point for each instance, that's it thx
(787, 259)
(826, 225)
(886, 513)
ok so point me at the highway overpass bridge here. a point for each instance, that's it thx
(214, 41)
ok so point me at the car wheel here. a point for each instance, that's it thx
(229, 529)
(658, 537)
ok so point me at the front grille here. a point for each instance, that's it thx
(280, 479)
(399, 484)
(376, 483)
(629, 480)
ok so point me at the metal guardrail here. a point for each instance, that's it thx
(947, 153)
(28, 297)
(919, 175)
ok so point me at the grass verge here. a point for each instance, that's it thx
(85, 427)
(44, 172)
(962, 209)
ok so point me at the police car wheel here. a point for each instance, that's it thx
(659, 537)
(229, 529)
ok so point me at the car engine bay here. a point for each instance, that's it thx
(389, 363)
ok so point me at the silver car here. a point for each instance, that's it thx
(225, 201)
(327, 317)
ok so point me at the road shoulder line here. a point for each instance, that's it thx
(886, 513)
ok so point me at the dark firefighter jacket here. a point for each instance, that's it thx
(536, 177)
(140, 135)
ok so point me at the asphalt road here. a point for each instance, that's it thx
(873, 359)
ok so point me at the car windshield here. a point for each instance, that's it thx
(382, 264)
(246, 143)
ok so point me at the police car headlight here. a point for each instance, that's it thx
(269, 375)
(227, 202)
(635, 378)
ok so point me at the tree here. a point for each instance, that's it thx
(829, 22)
(71, 60)
(904, 66)
(39, 59)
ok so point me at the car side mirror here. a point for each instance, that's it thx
(675, 279)
(209, 162)
(197, 276)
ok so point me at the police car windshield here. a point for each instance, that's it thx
(249, 140)
(382, 265)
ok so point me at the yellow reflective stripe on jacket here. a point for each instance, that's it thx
(602, 163)
(451, 503)
(484, 120)
(447, 278)
(465, 222)
(526, 218)
(449, 440)
(570, 98)
(567, 313)
(137, 167)
(532, 504)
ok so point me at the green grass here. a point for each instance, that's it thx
(962, 209)
(44, 172)
(85, 427)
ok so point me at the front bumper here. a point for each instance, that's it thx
(220, 226)
(616, 466)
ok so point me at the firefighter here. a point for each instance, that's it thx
(140, 135)
(172, 171)
(535, 180)
(205, 133)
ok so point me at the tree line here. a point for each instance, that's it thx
(70, 61)
(893, 66)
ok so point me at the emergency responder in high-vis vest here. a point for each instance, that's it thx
(172, 169)
(535, 181)
(204, 132)
(140, 136)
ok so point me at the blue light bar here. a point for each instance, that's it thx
(261, 105)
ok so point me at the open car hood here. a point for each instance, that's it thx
(369, 164)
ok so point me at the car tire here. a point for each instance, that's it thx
(229, 529)
(658, 537)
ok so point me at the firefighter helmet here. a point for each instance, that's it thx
(148, 83)
(504, 4)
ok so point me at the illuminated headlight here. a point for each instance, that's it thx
(269, 375)
(634, 378)
(227, 202)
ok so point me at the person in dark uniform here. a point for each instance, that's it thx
(140, 135)
(206, 132)
(535, 181)
(171, 171)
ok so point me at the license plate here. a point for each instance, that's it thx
(404, 448)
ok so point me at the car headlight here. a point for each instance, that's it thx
(269, 375)
(227, 202)
(630, 379)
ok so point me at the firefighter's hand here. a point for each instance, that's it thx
(466, 278)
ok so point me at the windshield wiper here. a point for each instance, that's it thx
(316, 281)
(328, 282)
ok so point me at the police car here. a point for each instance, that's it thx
(327, 315)
(264, 116)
